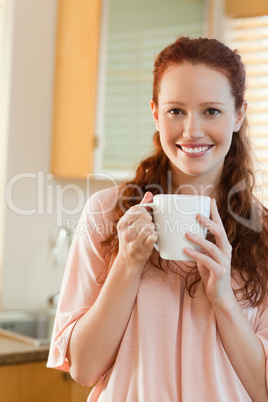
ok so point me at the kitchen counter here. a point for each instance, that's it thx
(24, 376)
(13, 351)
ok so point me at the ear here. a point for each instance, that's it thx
(155, 115)
(240, 116)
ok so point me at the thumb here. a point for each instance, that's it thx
(148, 197)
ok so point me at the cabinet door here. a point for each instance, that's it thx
(79, 393)
(34, 382)
(75, 87)
(246, 8)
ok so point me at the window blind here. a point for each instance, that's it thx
(128, 121)
(250, 37)
(137, 31)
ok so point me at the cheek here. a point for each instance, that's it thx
(168, 128)
(223, 133)
(167, 136)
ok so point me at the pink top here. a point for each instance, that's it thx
(171, 349)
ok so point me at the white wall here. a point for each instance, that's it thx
(36, 204)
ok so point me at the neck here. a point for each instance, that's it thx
(195, 185)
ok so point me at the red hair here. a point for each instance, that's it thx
(244, 218)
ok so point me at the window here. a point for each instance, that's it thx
(136, 30)
(250, 37)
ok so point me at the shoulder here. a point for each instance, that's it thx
(98, 216)
(102, 203)
(103, 198)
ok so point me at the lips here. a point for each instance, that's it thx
(194, 149)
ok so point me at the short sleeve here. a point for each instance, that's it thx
(262, 334)
(80, 286)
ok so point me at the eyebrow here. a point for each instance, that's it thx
(202, 104)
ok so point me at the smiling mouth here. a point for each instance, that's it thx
(194, 150)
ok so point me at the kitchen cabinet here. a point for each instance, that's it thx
(246, 8)
(75, 87)
(31, 382)
(132, 33)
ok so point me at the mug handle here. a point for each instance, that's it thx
(151, 205)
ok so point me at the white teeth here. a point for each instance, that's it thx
(194, 150)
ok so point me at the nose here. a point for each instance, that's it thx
(192, 127)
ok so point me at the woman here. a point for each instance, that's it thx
(146, 329)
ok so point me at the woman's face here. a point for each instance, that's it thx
(196, 118)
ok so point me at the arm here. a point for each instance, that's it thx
(241, 344)
(97, 335)
(243, 347)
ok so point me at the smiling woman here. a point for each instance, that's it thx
(150, 329)
(196, 117)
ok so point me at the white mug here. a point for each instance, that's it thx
(174, 216)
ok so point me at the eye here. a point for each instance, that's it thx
(175, 111)
(212, 111)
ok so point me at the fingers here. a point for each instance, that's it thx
(139, 231)
(205, 245)
(137, 212)
(216, 257)
(205, 259)
(137, 223)
(134, 217)
(215, 226)
(215, 220)
(137, 234)
(147, 234)
(148, 197)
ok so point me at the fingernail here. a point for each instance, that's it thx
(189, 250)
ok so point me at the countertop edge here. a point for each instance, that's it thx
(23, 357)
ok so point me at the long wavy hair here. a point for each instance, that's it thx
(243, 216)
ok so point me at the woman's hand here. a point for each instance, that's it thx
(243, 348)
(137, 234)
(214, 261)
(102, 327)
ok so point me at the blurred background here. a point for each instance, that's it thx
(76, 80)
(75, 90)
